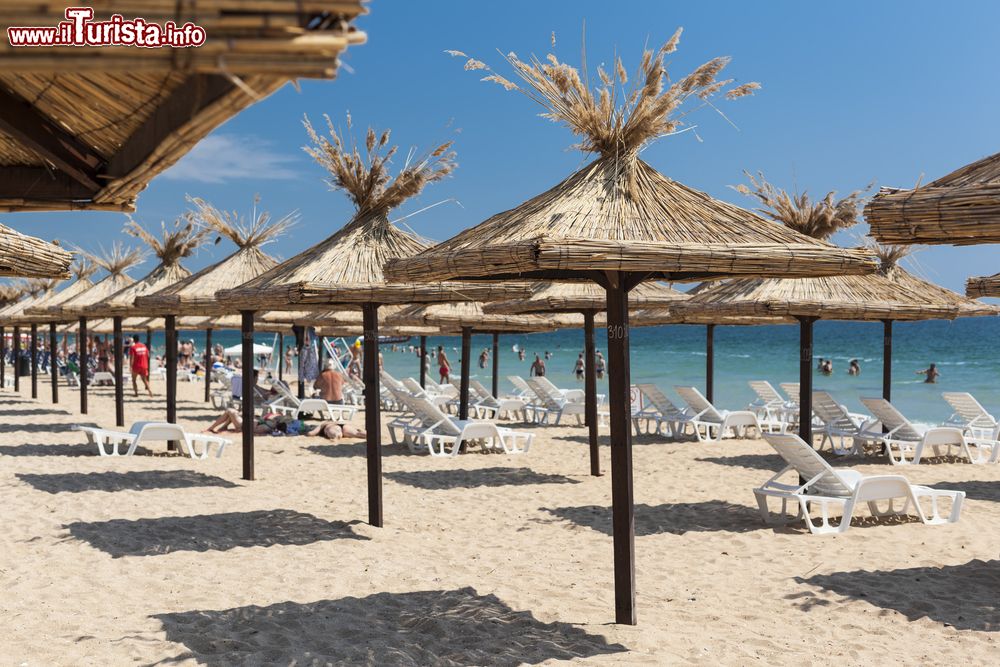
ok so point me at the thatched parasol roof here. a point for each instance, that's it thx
(618, 213)
(346, 268)
(116, 262)
(26, 256)
(82, 269)
(170, 248)
(967, 307)
(962, 208)
(983, 286)
(547, 297)
(470, 314)
(9, 294)
(34, 290)
(88, 128)
(196, 293)
(652, 317)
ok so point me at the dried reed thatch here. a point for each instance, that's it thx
(196, 293)
(346, 268)
(962, 208)
(547, 297)
(82, 269)
(170, 247)
(889, 258)
(26, 257)
(618, 213)
(9, 294)
(470, 314)
(983, 286)
(116, 262)
(94, 125)
(33, 290)
(653, 317)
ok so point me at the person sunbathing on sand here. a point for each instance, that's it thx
(333, 431)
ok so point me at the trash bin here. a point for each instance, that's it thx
(24, 366)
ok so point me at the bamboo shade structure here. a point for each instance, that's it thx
(38, 312)
(116, 262)
(962, 208)
(88, 128)
(196, 293)
(27, 257)
(346, 268)
(576, 297)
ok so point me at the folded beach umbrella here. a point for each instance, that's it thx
(617, 221)
(587, 299)
(346, 269)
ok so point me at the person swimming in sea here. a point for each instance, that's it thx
(932, 374)
(854, 368)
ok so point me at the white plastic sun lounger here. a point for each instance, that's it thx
(773, 410)
(552, 402)
(843, 489)
(436, 396)
(970, 416)
(905, 438)
(294, 407)
(504, 406)
(707, 419)
(437, 430)
(406, 422)
(656, 409)
(837, 422)
(103, 376)
(196, 445)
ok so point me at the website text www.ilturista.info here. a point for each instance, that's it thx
(79, 29)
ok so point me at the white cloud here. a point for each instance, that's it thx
(221, 158)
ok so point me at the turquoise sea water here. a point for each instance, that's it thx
(963, 351)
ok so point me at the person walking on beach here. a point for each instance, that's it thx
(579, 367)
(932, 374)
(854, 368)
(537, 367)
(600, 366)
(138, 361)
(444, 366)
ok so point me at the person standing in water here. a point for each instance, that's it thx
(579, 367)
(537, 367)
(444, 366)
(854, 368)
(599, 365)
(484, 357)
(932, 374)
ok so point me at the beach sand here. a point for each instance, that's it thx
(485, 559)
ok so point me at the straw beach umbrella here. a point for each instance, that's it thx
(34, 290)
(346, 268)
(26, 257)
(587, 300)
(618, 222)
(195, 294)
(890, 295)
(170, 247)
(116, 262)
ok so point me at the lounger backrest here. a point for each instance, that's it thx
(892, 419)
(766, 392)
(550, 400)
(431, 384)
(830, 411)
(284, 391)
(699, 404)
(968, 408)
(391, 383)
(659, 400)
(412, 386)
(430, 415)
(519, 384)
(791, 390)
(483, 394)
(158, 431)
(808, 463)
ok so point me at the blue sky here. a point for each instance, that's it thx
(883, 91)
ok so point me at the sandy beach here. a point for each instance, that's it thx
(485, 559)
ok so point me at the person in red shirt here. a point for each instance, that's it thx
(138, 360)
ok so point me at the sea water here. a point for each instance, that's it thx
(675, 355)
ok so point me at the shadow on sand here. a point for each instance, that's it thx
(454, 627)
(961, 596)
(770, 462)
(136, 480)
(672, 518)
(35, 449)
(344, 450)
(977, 490)
(209, 532)
(468, 479)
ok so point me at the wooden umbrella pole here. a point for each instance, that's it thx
(710, 363)
(805, 378)
(496, 365)
(300, 337)
(3, 357)
(33, 348)
(249, 388)
(170, 325)
(82, 356)
(281, 357)
(373, 421)
(119, 372)
(208, 364)
(887, 359)
(463, 399)
(590, 391)
(619, 404)
(423, 361)
(53, 364)
(17, 358)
